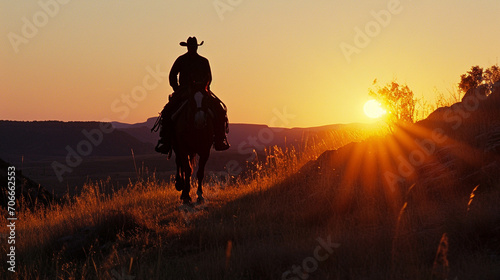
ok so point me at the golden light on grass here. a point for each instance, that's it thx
(373, 109)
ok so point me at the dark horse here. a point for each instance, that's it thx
(194, 132)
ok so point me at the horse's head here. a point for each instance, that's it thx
(201, 111)
(195, 113)
(200, 117)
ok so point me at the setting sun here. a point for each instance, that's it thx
(373, 109)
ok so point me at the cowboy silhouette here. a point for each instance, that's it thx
(190, 73)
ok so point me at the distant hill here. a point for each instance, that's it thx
(45, 139)
(149, 123)
(141, 131)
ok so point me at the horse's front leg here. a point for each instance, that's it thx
(201, 174)
(179, 178)
(186, 172)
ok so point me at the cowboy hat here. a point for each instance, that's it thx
(191, 41)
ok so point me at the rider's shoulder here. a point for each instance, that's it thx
(199, 57)
(183, 57)
(188, 56)
(202, 60)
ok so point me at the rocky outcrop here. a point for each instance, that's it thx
(27, 192)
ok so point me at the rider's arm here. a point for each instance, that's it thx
(172, 77)
(209, 75)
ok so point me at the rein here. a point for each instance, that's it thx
(157, 123)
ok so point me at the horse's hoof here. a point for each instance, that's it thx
(200, 200)
(186, 199)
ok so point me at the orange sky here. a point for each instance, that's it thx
(285, 63)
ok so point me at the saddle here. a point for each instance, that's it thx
(202, 105)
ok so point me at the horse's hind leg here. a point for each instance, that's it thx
(201, 174)
(179, 180)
